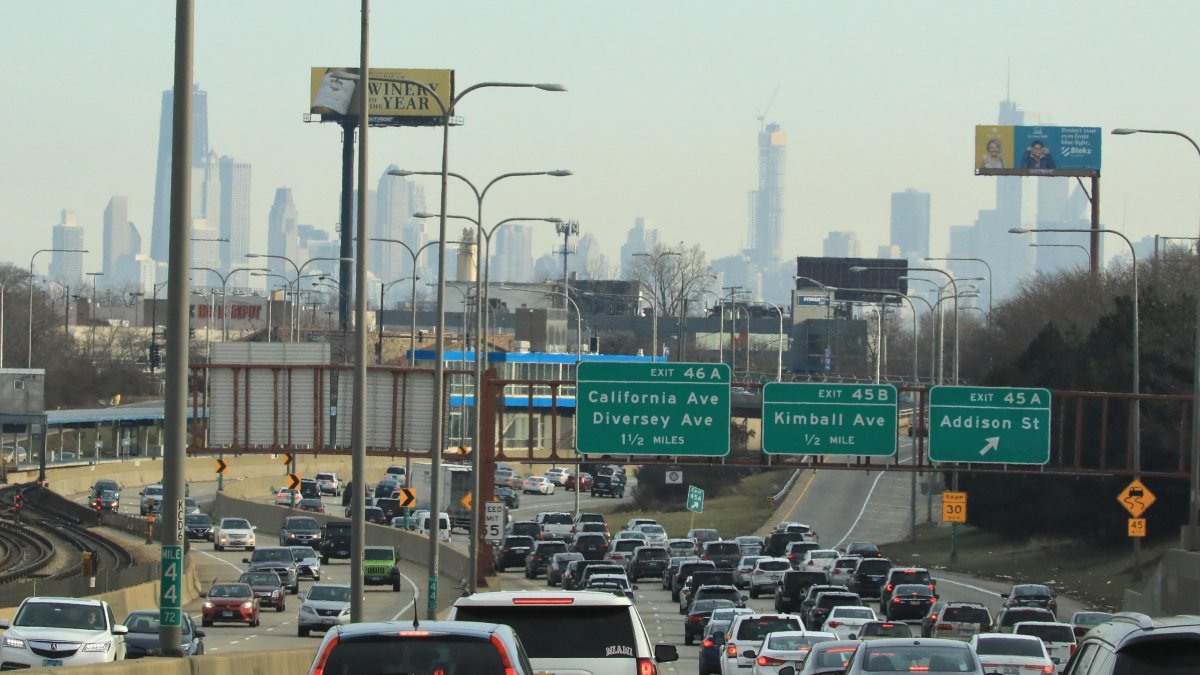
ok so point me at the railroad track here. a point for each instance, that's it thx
(24, 550)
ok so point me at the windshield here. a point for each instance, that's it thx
(627, 544)
(774, 565)
(710, 605)
(923, 658)
(230, 591)
(757, 628)
(722, 548)
(795, 642)
(437, 653)
(329, 593)
(653, 554)
(1006, 646)
(154, 490)
(197, 519)
(300, 553)
(966, 615)
(557, 519)
(271, 555)
(652, 529)
(823, 555)
(260, 579)
(1047, 633)
(377, 554)
(1034, 591)
(303, 524)
(1014, 616)
(853, 613)
(1091, 618)
(65, 615)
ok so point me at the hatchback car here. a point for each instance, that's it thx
(433, 647)
(230, 602)
(324, 606)
(846, 622)
(142, 638)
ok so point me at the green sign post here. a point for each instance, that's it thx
(170, 595)
(800, 418)
(695, 499)
(989, 425)
(633, 408)
(431, 593)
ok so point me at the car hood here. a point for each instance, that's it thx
(147, 642)
(259, 588)
(58, 634)
(244, 533)
(326, 604)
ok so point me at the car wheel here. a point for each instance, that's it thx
(206, 623)
(753, 592)
(280, 607)
(302, 631)
(254, 623)
(396, 586)
(296, 588)
(324, 560)
(593, 494)
(674, 596)
(249, 548)
(688, 639)
(499, 567)
(217, 547)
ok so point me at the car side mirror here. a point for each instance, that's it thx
(665, 653)
(301, 596)
(745, 598)
(246, 560)
(634, 587)
(120, 629)
(749, 653)
(1004, 596)
(201, 634)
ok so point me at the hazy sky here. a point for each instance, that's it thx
(660, 119)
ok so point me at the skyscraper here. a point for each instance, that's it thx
(235, 216)
(766, 202)
(512, 254)
(283, 237)
(67, 268)
(160, 233)
(122, 244)
(841, 245)
(396, 199)
(640, 238)
(910, 223)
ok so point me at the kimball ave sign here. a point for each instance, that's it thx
(829, 419)
(653, 409)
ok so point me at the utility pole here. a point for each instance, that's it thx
(567, 229)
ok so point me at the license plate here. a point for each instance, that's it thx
(966, 631)
(227, 613)
(51, 662)
(328, 621)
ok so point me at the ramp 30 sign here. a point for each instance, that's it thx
(653, 408)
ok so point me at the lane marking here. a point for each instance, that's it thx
(220, 559)
(416, 594)
(952, 582)
(866, 503)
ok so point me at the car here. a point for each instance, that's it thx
(725, 554)
(538, 485)
(824, 603)
(846, 621)
(572, 578)
(956, 620)
(687, 569)
(795, 586)
(557, 475)
(309, 488)
(903, 575)
(510, 497)
(914, 655)
(632, 523)
(590, 528)
(1011, 653)
(1057, 638)
(621, 549)
(47, 631)
(513, 479)
(230, 603)
(142, 638)
(869, 575)
(646, 561)
(881, 630)
(101, 486)
(598, 568)
(607, 486)
(712, 647)
(788, 648)
(1031, 595)
(151, 498)
(631, 534)
(796, 551)
(744, 567)
(1082, 622)
(717, 591)
(335, 540)
(277, 559)
(1011, 616)
(863, 549)
(702, 535)
(311, 504)
(800, 528)
(234, 533)
(539, 556)
(308, 562)
(423, 524)
(909, 602)
(296, 530)
(697, 617)
(396, 473)
(843, 569)
(380, 567)
(190, 506)
(287, 497)
(329, 483)
(376, 515)
(198, 526)
(556, 525)
(590, 545)
(267, 587)
(558, 565)
(570, 632)
(751, 544)
(109, 500)
(821, 558)
(810, 596)
(616, 584)
(527, 528)
(672, 568)
(511, 551)
(766, 575)
(919, 426)
(582, 518)
(656, 534)
(1131, 642)
(746, 634)
(384, 489)
(583, 481)
(681, 546)
(323, 607)
(435, 647)
(831, 656)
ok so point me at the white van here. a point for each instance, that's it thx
(421, 518)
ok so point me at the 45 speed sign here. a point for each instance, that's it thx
(493, 522)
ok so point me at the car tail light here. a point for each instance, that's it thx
(810, 563)
(730, 651)
(504, 660)
(888, 625)
(319, 668)
(896, 599)
(768, 661)
(707, 643)
(543, 601)
(1040, 669)
(507, 549)
(944, 626)
(646, 666)
(1073, 645)
(834, 624)
(888, 588)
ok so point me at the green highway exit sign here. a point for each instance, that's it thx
(635, 408)
(695, 499)
(989, 425)
(801, 418)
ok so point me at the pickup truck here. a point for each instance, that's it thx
(555, 525)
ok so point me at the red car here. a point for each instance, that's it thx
(230, 602)
(585, 482)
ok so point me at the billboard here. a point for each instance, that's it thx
(881, 274)
(391, 103)
(1002, 150)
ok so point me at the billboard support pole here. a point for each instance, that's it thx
(345, 283)
(1094, 259)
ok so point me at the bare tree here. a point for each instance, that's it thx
(673, 275)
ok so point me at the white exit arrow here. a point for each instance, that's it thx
(992, 444)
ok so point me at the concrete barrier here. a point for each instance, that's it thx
(250, 663)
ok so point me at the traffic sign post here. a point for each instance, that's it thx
(625, 408)
(954, 507)
(695, 499)
(800, 418)
(408, 497)
(989, 425)
(493, 522)
(1137, 527)
(170, 597)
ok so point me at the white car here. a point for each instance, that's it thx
(767, 574)
(1058, 639)
(745, 637)
(538, 485)
(786, 648)
(557, 475)
(287, 497)
(656, 535)
(329, 483)
(744, 567)
(820, 560)
(842, 570)
(324, 606)
(233, 533)
(61, 632)
(634, 522)
(631, 534)
(1005, 653)
(846, 621)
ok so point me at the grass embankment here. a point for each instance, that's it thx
(1095, 574)
(741, 512)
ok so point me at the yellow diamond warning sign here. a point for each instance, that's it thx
(1136, 498)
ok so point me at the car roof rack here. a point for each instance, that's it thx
(1137, 618)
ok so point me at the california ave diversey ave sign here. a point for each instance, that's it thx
(635, 408)
(989, 425)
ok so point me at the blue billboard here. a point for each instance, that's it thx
(1037, 151)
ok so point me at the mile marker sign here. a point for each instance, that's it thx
(989, 425)
(634, 408)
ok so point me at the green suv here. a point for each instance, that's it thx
(380, 568)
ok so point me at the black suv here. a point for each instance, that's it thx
(300, 531)
(795, 584)
(725, 554)
(777, 543)
(647, 561)
(526, 528)
(686, 570)
(512, 551)
(824, 603)
(1135, 643)
(539, 557)
(592, 546)
(810, 598)
(335, 540)
(903, 575)
(868, 576)
(1031, 595)
(608, 486)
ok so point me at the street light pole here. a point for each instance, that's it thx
(989, 277)
(655, 258)
(779, 362)
(383, 289)
(29, 355)
(91, 316)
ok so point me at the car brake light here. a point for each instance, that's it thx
(504, 660)
(896, 599)
(1072, 648)
(695, 618)
(944, 626)
(707, 643)
(730, 651)
(646, 666)
(918, 669)
(1041, 669)
(834, 624)
(889, 588)
(319, 668)
(768, 661)
(543, 601)
(888, 625)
